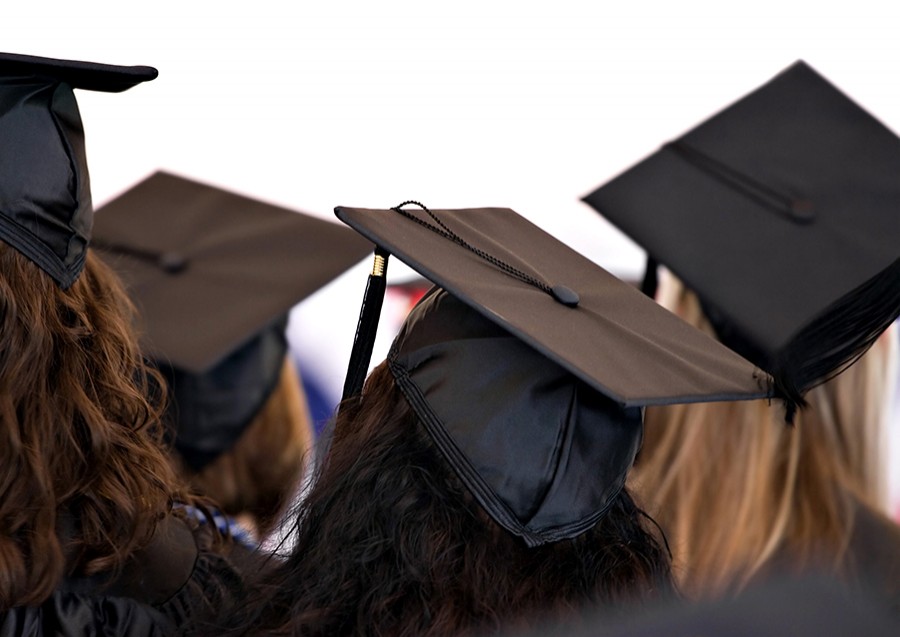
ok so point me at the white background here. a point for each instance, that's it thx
(528, 105)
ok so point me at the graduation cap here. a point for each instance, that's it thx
(529, 363)
(213, 275)
(45, 197)
(782, 212)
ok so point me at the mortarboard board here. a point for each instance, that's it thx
(45, 199)
(529, 363)
(782, 212)
(213, 275)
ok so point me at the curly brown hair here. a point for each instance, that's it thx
(83, 477)
(389, 542)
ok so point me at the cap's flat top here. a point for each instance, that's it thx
(768, 269)
(616, 339)
(245, 264)
(91, 76)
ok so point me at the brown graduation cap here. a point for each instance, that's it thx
(45, 194)
(213, 275)
(782, 212)
(528, 364)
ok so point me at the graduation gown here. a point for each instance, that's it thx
(173, 586)
(873, 555)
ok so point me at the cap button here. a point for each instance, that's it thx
(565, 295)
(172, 262)
(803, 210)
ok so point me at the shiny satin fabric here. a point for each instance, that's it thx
(45, 200)
(144, 599)
(179, 584)
(45, 196)
(211, 410)
(67, 614)
(542, 452)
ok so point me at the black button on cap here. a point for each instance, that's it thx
(565, 295)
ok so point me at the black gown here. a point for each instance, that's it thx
(174, 586)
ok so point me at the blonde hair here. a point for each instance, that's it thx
(738, 490)
(258, 476)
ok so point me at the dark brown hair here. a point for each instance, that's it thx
(83, 478)
(389, 542)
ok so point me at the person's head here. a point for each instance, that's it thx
(84, 478)
(779, 213)
(783, 490)
(391, 541)
(214, 275)
(240, 430)
(254, 478)
(477, 478)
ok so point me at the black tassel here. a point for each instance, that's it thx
(650, 282)
(836, 339)
(367, 327)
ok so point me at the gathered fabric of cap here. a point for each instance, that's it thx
(211, 410)
(45, 200)
(782, 212)
(542, 451)
(529, 364)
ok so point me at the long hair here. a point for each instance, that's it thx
(389, 542)
(83, 479)
(739, 491)
(258, 476)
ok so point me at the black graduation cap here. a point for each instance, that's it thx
(782, 212)
(529, 363)
(213, 275)
(45, 197)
